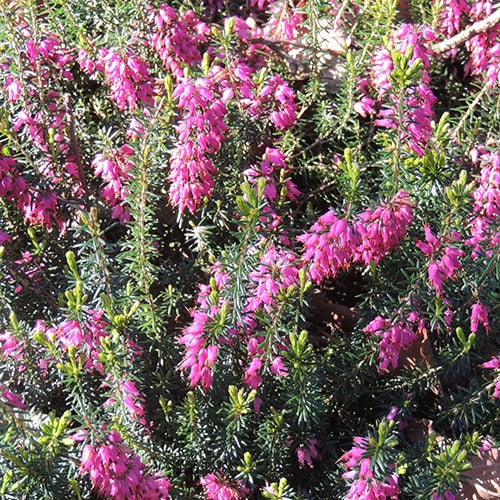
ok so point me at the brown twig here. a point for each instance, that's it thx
(472, 30)
(275, 46)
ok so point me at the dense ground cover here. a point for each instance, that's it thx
(249, 249)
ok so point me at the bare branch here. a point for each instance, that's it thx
(468, 33)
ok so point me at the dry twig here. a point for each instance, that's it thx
(472, 30)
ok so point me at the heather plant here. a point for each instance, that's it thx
(248, 249)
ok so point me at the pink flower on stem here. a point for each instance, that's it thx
(13, 89)
(201, 132)
(333, 244)
(252, 377)
(277, 100)
(13, 399)
(447, 495)
(114, 169)
(494, 364)
(393, 339)
(306, 453)
(479, 314)
(117, 473)
(178, 38)
(439, 269)
(133, 401)
(284, 21)
(484, 235)
(383, 229)
(418, 101)
(10, 346)
(451, 17)
(128, 76)
(200, 355)
(359, 474)
(218, 487)
(277, 271)
(484, 48)
(330, 245)
(278, 368)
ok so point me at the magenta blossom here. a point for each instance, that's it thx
(479, 314)
(218, 487)
(117, 473)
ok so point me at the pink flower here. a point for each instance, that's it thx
(201, 132)
(277, 100)
(10, 346)
(135, 129)
(119, 474)
(393, 339)
(418, 101)
(284, 21)
(363, 485)
(484, 48)
(330, 245)
(252, 377)
(494, 364)
(13, 89)
(13, 399)
(278, 270)
(447, 495)
(488, 443)
(218, 487)
(177, 39)
(307, 452)
(333, 244)
(479, 314)
(278, 368)
(86, 63)
(383, 229)
(128, 76)
(114, 169)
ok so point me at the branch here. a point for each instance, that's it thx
(468, 33)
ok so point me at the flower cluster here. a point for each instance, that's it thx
(394, 338)
(479, 314)
(178, 38)
(360, 475)
(84, 338)
(383, 229)
(333, 244)
(443, 268)
(42, 118)
(118, 474)
(417, 99)
(278, 270)
(486, 196)
(284, 21)
(200, 134)
(274, 170)
(276, 100)
(128, 77)
(200, 356)
(494, 364)
(218, 487)
(307, 453)
(126, 393)
(114, 168)
(483, 48)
